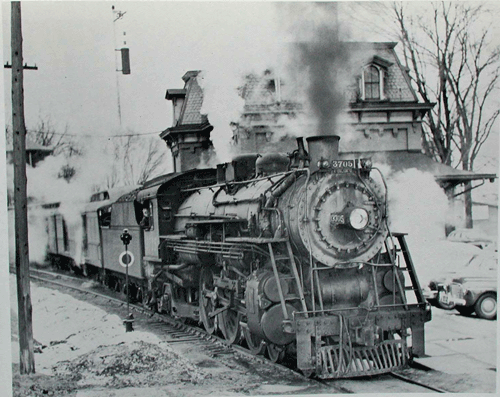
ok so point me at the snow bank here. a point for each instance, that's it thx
(65, 328)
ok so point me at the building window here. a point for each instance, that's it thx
(372, 83)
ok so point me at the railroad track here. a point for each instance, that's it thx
(176, 331)
(415, 382)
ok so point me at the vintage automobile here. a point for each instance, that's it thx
(476, 289)
(450, 261)
(470, 236)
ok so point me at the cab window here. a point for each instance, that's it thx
(146, 220)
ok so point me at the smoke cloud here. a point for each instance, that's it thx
(319, 64)
(223, 106)
(45, 185)
(419, 207)
(299, 43)
(318, 68)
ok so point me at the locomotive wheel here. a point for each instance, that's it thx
(275, 353)
(229, 324)
(206, 299)
(255, 343)
(229, 319)
(125, 289)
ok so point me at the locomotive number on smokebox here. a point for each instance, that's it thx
(342, 164)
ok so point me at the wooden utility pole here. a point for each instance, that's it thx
(26, 353)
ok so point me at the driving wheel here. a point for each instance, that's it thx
(229, 324)
(255, 343)
(207, 299)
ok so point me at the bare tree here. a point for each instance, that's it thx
(45, 134)
(136, 159)
(453, 62)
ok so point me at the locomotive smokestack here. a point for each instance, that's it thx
(321, 149)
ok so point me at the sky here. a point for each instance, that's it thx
(73, 44)
(77, 85)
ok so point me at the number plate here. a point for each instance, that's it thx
(443, 297)
(337, 219)
(343, 164)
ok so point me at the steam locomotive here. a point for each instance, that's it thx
(290, 254)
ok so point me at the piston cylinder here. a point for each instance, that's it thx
(265, 317)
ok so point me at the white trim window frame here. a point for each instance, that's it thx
(380, 83)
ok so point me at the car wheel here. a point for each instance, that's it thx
(465, 310)
(486, 306)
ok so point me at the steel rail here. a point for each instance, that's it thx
(416, 382)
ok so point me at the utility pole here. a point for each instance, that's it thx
(26, 353)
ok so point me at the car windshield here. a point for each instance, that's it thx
(482, 263)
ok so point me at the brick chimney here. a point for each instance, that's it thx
(189, 136)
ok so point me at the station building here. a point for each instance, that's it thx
(382, 119)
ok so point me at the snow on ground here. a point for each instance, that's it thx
(84, 351)
(79, 346)
(67, 328)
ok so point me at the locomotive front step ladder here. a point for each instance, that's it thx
(410, 267)
(291, 260)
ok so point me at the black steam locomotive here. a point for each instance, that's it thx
(290, 254)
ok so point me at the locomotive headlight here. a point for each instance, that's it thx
(358, 218)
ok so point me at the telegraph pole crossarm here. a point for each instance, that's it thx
(8, 66)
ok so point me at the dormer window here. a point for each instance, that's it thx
(372, 82)
(372, 79)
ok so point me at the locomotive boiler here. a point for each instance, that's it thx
(292, 253)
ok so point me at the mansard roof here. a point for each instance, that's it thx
(190, 113)
(397, 83)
